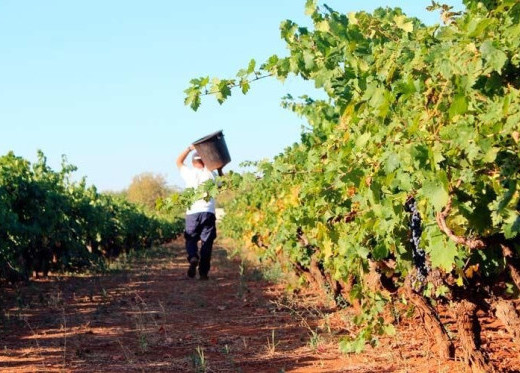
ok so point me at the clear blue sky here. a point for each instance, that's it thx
(102, 81)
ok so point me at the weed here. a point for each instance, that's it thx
(273, 273)
(143, 343)
(315, 340)
(250, 272)
(102, 307)
(305, 314)
(326, 323)
(242, 282)
(272, 344)
(302, 315)
(141, 309)
(226, 350)
(104, 296)
(199, 360)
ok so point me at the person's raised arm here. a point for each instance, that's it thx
(182, 157)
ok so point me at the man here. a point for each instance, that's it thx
(200, 217)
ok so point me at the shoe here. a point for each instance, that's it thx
(203, 277)
(194, 262)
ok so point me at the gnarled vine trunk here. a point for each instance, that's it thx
(505, 311)
(434, 326)
(469, 335)
(316, 273)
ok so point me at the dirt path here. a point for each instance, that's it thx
(150, 318)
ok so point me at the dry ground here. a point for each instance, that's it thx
(148, 317)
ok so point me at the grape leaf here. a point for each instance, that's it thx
(400, 22)
(495, 57)
(458, 106)
(435, 192)
(442, 252)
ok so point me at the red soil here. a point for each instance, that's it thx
(151, 318)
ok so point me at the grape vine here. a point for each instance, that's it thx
(50, 223)
(428, 111)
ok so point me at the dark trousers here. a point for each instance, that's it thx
(200, 226)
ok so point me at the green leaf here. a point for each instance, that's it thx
(442, 252)
(458, 106)
(435, 192)
(437, 156)
(241, 73)
(389, 330)
(494, 56)
(477, 26)
(362, 251)
(511, 225)
(400, 22)
(362, 140)
(310, 7)
(224, 91)
(392, 163)
(380, 251)
(377, 98)
(251, 66)
(287, 30)
(348, 346)
(403, 181)
(322, 26)
(308, 59)
(244, 85)
(193, 99)
(491, 155)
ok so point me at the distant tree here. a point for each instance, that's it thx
(146, 188)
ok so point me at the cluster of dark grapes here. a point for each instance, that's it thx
(418, 255)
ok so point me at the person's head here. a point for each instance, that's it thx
(196, 160)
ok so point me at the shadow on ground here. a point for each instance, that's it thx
(150, 317)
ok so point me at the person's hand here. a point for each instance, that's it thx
(191, 147)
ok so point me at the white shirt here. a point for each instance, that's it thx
(193, 177)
